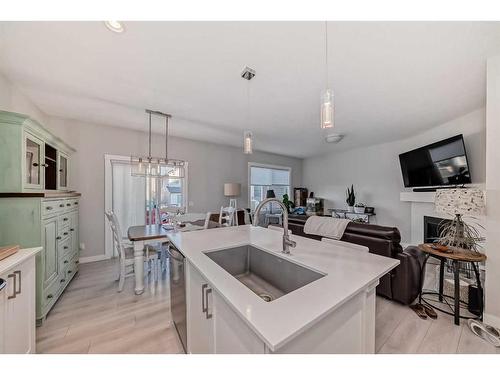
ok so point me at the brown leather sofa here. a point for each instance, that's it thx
(403, 283)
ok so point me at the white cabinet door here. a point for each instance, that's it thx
(19, 318)
(232, 334)
(3, 291)
(200, 313)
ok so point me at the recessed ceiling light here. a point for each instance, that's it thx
(115, 26)
(334, 138)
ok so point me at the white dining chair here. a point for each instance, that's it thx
(126, 253)
(226, 216)
(346, 244)
(207, 220)
(278, 229)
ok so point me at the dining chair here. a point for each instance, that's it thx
(207, 220)
(126, 253)
(226, 216)
(346, 244)
(277, 228)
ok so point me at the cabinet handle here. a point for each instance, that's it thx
(49, 208)
(50, 296)
(71, 229)
(208, 315)
(65, 219)
(68, 204)
(58, 237)
(13, 276)
(63, 280)
(77, 261)
(65, 262)
(60, 170)
(203, 307)
(65, 233)
(36, 164)
(61, 205)
(65, 247)
(70, 271)
(44, 165)
(76, 203)
(20, 284)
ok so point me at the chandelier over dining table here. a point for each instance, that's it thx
(157, 167)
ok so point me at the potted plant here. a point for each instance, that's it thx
(359, 208)
(350, 199)
(288, 203)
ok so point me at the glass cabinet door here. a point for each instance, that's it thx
(33, 162)
(63, 171)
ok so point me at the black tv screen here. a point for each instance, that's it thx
(437, 164)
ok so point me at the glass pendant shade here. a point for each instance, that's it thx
(327, 115)
(247, 142)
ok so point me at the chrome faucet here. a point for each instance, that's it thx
(287, 242)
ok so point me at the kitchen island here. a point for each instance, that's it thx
(321, 297)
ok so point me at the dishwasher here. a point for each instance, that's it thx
(177, 263)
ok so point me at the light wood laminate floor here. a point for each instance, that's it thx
(91, 317)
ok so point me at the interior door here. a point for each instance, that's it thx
(49, 240)
(34, 162)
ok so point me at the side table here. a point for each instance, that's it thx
(456, 255)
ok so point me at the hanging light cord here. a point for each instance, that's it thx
(149, 154)
(326, 53)
(166, 138)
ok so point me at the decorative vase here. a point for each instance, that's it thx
(350, 209)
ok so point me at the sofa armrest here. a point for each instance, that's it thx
(407, 276)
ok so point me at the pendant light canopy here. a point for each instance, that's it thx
(327, 104)
(156, 167)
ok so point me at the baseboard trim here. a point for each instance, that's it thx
(95, 258)
(492, 320)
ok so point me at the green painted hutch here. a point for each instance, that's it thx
(36, 206)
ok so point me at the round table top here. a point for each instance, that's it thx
(463, 255)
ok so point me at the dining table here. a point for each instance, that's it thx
(142, 235)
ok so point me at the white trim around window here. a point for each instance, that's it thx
(270, 166)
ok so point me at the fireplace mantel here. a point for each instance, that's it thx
(412, 196)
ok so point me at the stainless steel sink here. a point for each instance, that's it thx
(267, 275)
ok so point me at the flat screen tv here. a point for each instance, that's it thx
(438, 164)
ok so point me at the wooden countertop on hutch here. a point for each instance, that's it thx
(42, 194)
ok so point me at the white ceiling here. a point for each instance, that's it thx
(391, 80)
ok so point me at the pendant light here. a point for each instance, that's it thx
(156, 167)
(327, 107)
(248, 73)
(247, 142)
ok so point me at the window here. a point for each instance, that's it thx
(263, 178)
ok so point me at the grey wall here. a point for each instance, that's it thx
(210, 165)
(376, 173)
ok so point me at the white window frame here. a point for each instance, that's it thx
(108, 197)
(270, 166)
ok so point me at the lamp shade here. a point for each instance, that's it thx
(270, 194)
(232, 189)
(460, 201)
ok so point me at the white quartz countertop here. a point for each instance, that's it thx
(348, 272)
(11, 261)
